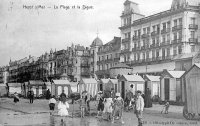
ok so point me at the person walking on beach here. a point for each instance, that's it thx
(139, 106)
(31, 95)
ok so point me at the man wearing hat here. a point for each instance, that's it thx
(118, 107)
(139, 106)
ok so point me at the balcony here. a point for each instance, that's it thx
(157, 44)
(136, 37)
(152, 45)
(85, 73)
(166, 30)
(145, 35)
(193, 40)
(138, 48)
(193, 26)
(125, 51)
(176, 41)
(116, 59)
(176, 28)
(126, 40)
(154, 33)
(142, 47)
(108, 60)
(85, 65)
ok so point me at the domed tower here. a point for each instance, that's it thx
(93, 51)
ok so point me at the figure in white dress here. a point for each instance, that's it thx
(63, 107)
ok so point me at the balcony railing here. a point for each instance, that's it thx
(176, 41)
(143, 47)
(164, 31)
(85, 65)
(136, 37)
(126, 40)
(145, 35)
(152, 45)
(193, 40)
(193, 26)
(157, 44)
(176, 28)
(116, 59)
(125, 51)
(154, 33)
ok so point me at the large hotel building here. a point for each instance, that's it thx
(156, 42)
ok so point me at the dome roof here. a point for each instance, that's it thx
(97, 42)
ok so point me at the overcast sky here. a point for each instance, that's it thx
(25, 32)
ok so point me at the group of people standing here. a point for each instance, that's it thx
(113, 107)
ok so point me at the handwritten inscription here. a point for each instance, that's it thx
(61, 7)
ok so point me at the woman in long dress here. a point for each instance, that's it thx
(63, 107)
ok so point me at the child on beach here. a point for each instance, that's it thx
(118, 107)
(52, 103)
(165, 108)
(63, 106)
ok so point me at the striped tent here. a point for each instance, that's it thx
(89, 85)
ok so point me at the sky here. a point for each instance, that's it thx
(33, 27)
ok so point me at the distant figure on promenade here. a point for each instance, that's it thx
(48, 94)
(52, 103)
(31, 95)
(139, 106)
(63, 106)
(16, 98)
(165, 107)
(118, 108)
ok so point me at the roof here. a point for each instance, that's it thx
(121, 65)
(61, 82)
(36, 82)
(133, 78)
(89, 80)
(14, 84)
(104, 80)
(153, 78)
(196, 64)
(185, 56)
(184, 3)
(176, 74)
(97, 42)
(114, 81)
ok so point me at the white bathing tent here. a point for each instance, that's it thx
(88, 84)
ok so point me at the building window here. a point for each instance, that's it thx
(153, 41)
(192, 34)
(144, 30)
(139, 32)
(147, 55)
(180, 21)
(180, 35)
(193, 20)
(148, 30)
(163, 39)
(157, 40)
(153, 53)
(168, 51)
(99, 58)
(164, 26)
(163, 53)
(174, 51)
(168, 24)
(154, 28)
(157, 53)
(65, 71)
(138, 56)
(158, 28)
(175, 36)
(143, 55)
(192, 48)
(179, 49)
(175, 22)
